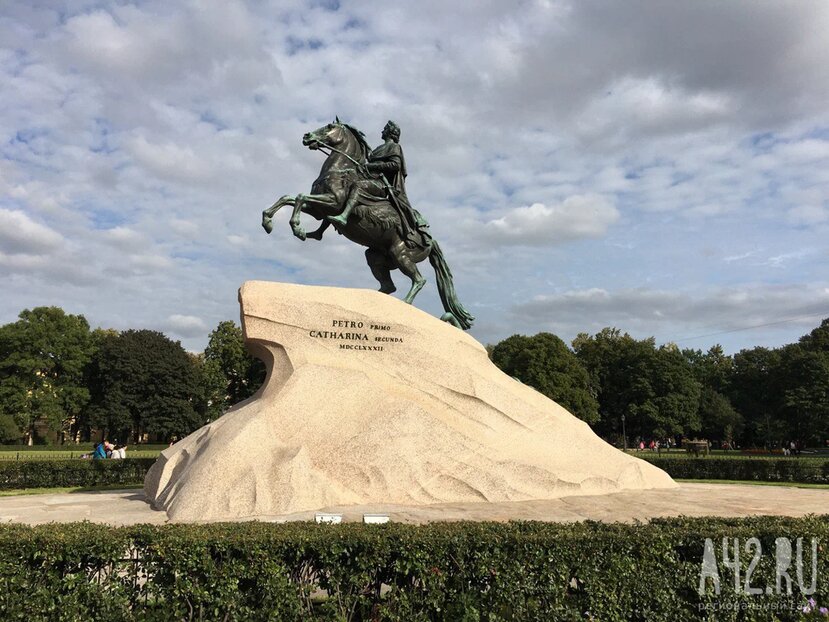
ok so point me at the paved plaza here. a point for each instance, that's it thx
(128, 507)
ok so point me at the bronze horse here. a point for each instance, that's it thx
(376, 227)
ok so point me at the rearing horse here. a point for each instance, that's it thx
(376, 226)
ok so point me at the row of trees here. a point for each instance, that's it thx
(759, 396)
(59, 380)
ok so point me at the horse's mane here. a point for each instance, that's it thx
(361, 139)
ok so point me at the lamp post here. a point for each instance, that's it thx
(624, 435)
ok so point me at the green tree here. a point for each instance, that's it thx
(545, 363)
(9, 431)
(818, 339)
(653, 388)
(713, 370)
(229, 373)
(804, 376)
(756, 393)
(718, 417)
(810, 397)
(42, 361)
(143, 382)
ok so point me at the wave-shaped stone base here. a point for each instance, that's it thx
(370, 400)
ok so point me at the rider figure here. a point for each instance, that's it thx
(386, 175)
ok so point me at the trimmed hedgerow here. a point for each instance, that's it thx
(57, 473)
(761, 469)
(448, 571)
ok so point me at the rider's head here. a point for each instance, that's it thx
(392, 130)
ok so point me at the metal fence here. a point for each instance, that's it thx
(69, 455)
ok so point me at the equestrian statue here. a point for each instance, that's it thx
(362, 193)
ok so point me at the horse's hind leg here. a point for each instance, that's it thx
(379, 264)
(317, 235)
(407, 265)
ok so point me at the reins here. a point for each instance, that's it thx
(322, 147)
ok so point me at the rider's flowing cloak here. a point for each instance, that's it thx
(392, 152)
(395, 175)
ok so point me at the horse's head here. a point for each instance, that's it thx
(346, 139)
(326, 136)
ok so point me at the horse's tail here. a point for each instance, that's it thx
(455, 313)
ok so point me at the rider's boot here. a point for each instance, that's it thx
(342, 218)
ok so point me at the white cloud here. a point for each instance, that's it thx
(186, 325)
(805, 151)
(678, 316)
(576, 217)
(147, 263)
(779, 261)
(809, 214)
(685, 146)
(170, 161)
(124, 237)
(241, 241)
(739, 257)
(650, 105)
(19, 234)
(16, 263)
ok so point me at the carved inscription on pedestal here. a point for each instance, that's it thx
(358, 335)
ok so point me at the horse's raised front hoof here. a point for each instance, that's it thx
(267, 224)
(300, 233)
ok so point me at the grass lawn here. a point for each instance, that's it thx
(752, 483)
(53, 491)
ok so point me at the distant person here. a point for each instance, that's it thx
(641, 445)
(100, 452)
(118, 452)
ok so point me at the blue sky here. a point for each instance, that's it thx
(661, 167)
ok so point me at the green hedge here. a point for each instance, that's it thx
(761, 470)
(444, 571)
(58, 473)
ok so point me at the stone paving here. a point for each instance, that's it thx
(128, 507)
